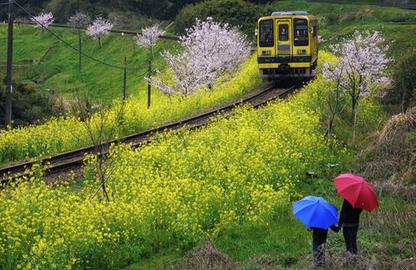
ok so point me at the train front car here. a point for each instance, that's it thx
(287, 45)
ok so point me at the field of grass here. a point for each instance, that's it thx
(56, 65)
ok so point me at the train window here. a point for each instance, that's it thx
(301, 32)
(266, 36)
(283, 32)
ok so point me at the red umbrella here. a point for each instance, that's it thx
(358, 192)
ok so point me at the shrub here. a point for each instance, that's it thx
(238, 13)
(30, 104)
(403, 92)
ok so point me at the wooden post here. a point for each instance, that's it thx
(9, 75)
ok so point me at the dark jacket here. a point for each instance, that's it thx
(349, 216)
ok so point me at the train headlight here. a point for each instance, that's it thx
(301, 51)
(266, 53)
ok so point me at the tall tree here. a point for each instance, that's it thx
(148, 39)
(211, 50)
(79, 21)
(362, 62)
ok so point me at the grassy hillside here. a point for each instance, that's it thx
(41, 58)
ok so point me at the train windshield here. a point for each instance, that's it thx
(266, 36)
(301, 32)
(283, 32)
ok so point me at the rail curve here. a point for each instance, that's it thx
(71, 160)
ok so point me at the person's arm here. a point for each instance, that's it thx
(335, 228)
(342, 214)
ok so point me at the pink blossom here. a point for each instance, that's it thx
(149, 36)
(43, 20)
(362, 62)
(99, 27)
(211, 50)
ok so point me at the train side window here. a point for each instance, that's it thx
(266, 36)
(283, 32)
(301, 32)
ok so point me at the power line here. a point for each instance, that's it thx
(70, 45)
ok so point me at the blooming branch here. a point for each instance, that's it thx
(99, 28)
(149, 36)
(212, 50)
(43, 20)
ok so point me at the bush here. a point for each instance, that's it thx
(30, 104)
(235, 12)
(403, 92)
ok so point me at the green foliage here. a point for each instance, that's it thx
(403, 92)
(237, 13)
(29, 103)
(52, 65)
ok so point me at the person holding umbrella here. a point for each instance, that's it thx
(358, 194)
(319, 215)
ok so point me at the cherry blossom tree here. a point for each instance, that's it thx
(361, 66)
(79, 21)
(99, 28)
(148, 39)
(43, 20)
(211, 51)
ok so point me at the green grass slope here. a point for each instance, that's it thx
(42, 58)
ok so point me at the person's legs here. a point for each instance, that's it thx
(354, 231)
(319, 255)
(318, 245)
(350, 237)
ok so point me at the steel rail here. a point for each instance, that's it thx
(74, 159)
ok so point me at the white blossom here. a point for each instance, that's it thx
(99, 28)
(43, 20)
(80, 20)
(363, 61)
(211, 50)
(149, 36)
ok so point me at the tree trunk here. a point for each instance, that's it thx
(354, 117)
(100, 42)
(330, 127)
(101, 174)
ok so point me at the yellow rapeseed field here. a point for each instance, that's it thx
(173, 192)
(67, 133)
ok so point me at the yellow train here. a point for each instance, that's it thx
(287, 45)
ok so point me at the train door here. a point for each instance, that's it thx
(283, 47)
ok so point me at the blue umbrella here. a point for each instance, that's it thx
(315, 212)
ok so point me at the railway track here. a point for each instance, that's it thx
(73, 160)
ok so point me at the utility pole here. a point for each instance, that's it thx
(149, 86)
(125, 79)
(9, 78)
